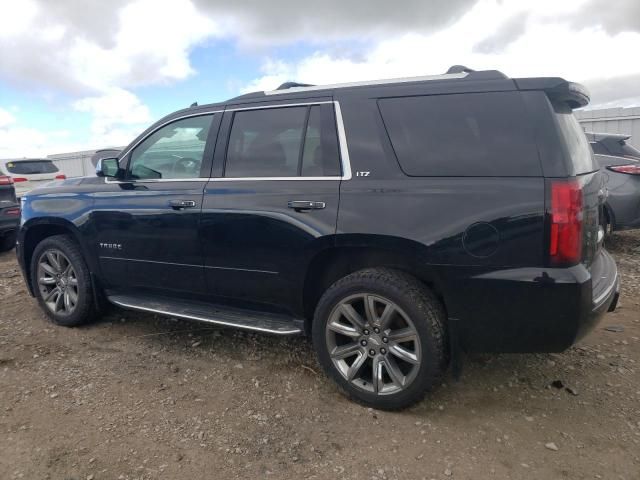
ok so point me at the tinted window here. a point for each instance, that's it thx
(174, 151)
(479, 134)
(575, 140)
(320, 158)
(281, 142)
(31, 167)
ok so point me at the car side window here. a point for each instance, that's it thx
(281, 142)
(599, 149)
(174, 151)
(458, 135)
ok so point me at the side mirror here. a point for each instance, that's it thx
(107, 167)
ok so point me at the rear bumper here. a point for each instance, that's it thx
(532, 309)
(605, 291)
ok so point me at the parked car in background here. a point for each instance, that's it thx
(9, 213)
(30, 173)
(396, 222)
(620, 165)
(615, 144)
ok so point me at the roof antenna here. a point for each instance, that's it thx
(194, 104)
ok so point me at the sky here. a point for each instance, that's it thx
(89, 74)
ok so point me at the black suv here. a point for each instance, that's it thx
(396, 222)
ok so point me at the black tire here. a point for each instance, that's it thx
(84, 309)
(417, 302)
(7, 242)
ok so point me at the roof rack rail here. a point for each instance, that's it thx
(286, 85)
(459, 69)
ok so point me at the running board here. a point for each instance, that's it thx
(278, 324)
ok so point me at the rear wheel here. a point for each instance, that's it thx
(61, 281)
(379, 334)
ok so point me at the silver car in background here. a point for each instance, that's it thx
(29, 173)
(620, 164)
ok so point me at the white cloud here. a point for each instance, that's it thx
(17, 141)
(52, 46)
(117, 116)
(96, 53)
(546, 47)
(93, 55)
(6, 118)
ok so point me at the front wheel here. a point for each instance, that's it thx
(61, 281)
(379, 334)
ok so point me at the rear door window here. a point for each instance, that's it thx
(478, 134)
(31, 167)
(283, 142)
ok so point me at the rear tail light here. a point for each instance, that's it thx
(62, 176)
(20, 179)
(633, 169)
(565, 244)
(6, 180)
(14, 212)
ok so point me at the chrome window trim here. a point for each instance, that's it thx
(342, 146)
(283, 105)
(363, 83)
(199, 114)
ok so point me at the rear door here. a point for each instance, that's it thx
(273, 201)
(146, 226)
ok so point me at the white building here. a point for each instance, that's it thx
(612, 120)
(80, 164)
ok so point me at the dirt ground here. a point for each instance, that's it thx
(135, 396)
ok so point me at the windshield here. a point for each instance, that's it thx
(31, 167)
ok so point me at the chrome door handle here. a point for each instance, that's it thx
(181, 204)
(300, 205)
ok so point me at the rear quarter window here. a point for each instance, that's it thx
(477, 134)
(574, 139)
(31, 167)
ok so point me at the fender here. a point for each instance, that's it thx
(46, 227)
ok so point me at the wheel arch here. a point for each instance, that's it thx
(368, 251)
(36, 230)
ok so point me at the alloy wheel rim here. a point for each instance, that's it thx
(58, 282)
(373, 343)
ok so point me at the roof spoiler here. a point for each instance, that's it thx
(557, 89)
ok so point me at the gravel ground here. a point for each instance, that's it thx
(135, 396)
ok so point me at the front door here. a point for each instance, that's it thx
(146, 225)
(273, 202)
